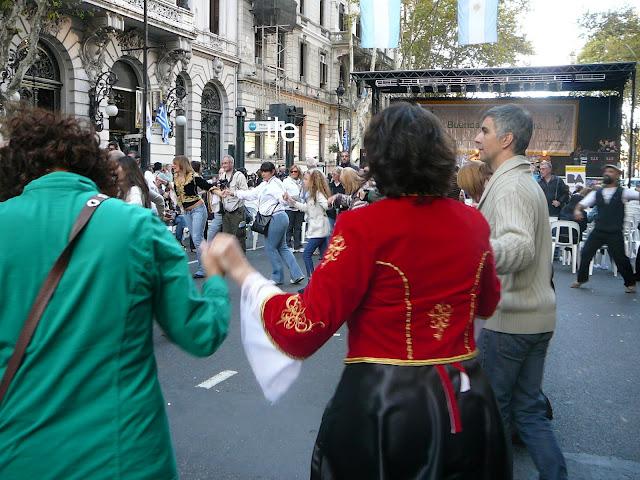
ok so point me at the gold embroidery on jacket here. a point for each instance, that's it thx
(409, 306)
(336, 247)
(294, 317)
(440, 318)
(474, 295)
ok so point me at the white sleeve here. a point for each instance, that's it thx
(274, 370)
(589, 200)
(628, 194)
(134, 196)
(252, 194)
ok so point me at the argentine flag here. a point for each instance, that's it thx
(163, 121)
(380, 22)
(477, 21)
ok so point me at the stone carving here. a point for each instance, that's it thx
(93, 50)
(166, 65)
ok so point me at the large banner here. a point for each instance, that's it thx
(554, 131)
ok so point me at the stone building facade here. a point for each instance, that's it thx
(223, 55)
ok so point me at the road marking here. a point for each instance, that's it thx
(216, 379)
(195, 261)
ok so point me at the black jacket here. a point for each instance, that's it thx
(556, 189)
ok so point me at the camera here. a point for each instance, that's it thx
(223, 184)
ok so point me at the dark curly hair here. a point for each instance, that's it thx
(39, 141)
(409, 152)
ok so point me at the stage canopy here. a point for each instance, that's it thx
(586, 77)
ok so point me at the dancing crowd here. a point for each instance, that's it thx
(447, 343)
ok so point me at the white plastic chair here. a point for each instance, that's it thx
(572, 245)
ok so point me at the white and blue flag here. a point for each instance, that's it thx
(477, 21)
(163, 121)
(148, 124)
(380, 22)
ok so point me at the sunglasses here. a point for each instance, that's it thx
(295, 171)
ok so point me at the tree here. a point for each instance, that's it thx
(614, 36)
(429, 31)
(40, 15)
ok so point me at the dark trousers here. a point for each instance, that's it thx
(615, 245)
(230, 225)
(295, 229)
(514, 364)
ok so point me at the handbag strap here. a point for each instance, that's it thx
(46, 292)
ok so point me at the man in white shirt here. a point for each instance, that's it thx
(232, 207)
(608, 228)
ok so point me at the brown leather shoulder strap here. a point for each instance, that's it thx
(46, 292)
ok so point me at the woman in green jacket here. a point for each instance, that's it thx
(86, 402)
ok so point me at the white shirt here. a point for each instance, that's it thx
(269, 195)
(293, 189)
(607, 193)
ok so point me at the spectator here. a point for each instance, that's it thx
(473, 177)
(554, 188)
(336, 187)
(293, 185)
(86, 396)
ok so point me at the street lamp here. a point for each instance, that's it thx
(174, 102)
(101, 90)
(340, 93)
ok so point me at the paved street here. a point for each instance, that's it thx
(231, 432)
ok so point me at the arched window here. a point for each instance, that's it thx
(124, 95)
(211, 128)
(41, 84)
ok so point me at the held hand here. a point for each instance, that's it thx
(331, 199)
(578, 215)
(225, 252)
(286, 197)
(555, 203)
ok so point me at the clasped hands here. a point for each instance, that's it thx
(223, 256)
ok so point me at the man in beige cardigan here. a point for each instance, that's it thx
(514, 341)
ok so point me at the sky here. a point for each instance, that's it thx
(552, 27)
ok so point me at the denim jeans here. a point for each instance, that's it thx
(180, 224)
(278, 251)
(309, 248)
(215, 226)
(514, 364)
(196, 219)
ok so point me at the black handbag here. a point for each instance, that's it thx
(261, 223)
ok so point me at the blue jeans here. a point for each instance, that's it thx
(196, 219)
(215, 226)
(309, 248)
(278, 251)
(180, 224)
(514, 364)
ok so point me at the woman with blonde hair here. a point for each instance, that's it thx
(352, 198)
(318, 193)
(473, 176)
(187, 182)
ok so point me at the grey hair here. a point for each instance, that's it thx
(512, 119)
(233, 161)
(547, 163)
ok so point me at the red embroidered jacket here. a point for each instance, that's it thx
(408, 277)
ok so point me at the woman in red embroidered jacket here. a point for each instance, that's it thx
(413, 402)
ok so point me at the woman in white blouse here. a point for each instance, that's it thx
(133, 188)
(318, 192)
(270, 196)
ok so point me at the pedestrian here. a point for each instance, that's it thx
(293, 185)
(134, 189)
(85, 399)
(413, 401)
(514, 341)
(233, 212)
(345, 160)
(186, 184)
(336, 187)
(270, 197)
(353, 196)
(608, 229)
(473, 177)
(315, 207)
(554, 188)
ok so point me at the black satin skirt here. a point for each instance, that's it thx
(396, 422)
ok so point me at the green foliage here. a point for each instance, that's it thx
(430, 36)
(612, 36)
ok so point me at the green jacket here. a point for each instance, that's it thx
(86, 402)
